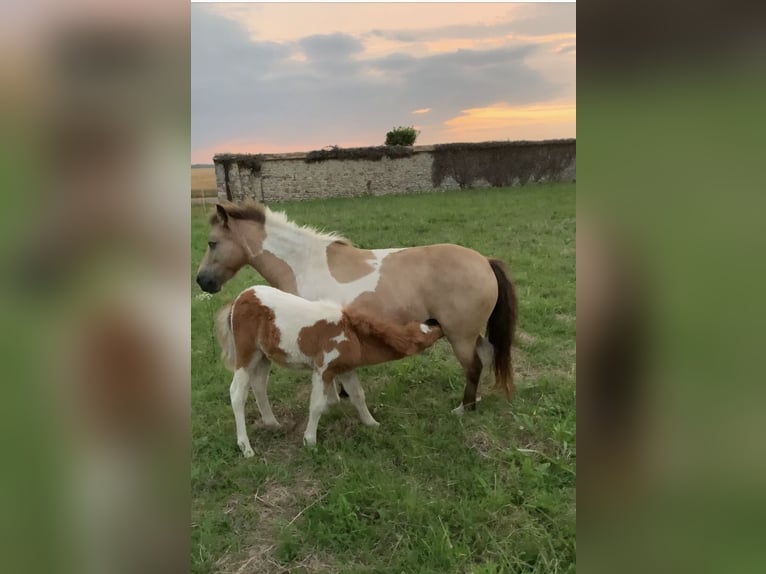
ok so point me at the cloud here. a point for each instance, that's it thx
(422, 111)
(325, 89)
(526, 20)
(515, 122)
(322, 47)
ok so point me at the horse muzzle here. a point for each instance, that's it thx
(207, 283)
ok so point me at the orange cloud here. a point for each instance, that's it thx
(501, 121)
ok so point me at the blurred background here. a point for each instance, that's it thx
(669, 282)
(96, 286)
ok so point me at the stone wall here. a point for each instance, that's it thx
(379, 171)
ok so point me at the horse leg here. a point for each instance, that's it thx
(317, 406)
(465, 350)
(356, 394)
(331, 392)
(238, 394)
(258, 382)
(486, 353)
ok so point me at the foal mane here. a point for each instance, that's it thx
(251, 210)
(403, 339)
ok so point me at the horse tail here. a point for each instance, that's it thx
(226, 336)
(501, 326)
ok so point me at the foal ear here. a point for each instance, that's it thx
(222, 215)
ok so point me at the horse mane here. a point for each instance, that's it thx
(251, 210)
(405, 340)
(246, 210)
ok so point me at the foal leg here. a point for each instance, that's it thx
(238, 394)
(466, 352)
(258, 382)
(331, 392)
(316, 408)
(356, 394)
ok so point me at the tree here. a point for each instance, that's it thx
(402, 136)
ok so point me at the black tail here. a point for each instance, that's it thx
(501, 326)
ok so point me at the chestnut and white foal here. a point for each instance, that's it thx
(264, 324)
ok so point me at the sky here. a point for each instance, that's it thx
(272, 78)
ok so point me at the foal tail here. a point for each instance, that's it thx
(501, 326)
(225, 336)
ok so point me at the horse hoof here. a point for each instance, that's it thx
(458, 411)
(309, 442)
(246, 449)
(272, 425)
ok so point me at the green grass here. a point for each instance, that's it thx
(492, 491)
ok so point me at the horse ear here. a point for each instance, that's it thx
(224, 217)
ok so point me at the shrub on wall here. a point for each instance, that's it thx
(352, 153)
(252, 161)
(402, 136)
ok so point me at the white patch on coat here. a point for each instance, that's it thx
(305, 252)
(425, 328)
(339, 338)
(293, 313)
(328, 358)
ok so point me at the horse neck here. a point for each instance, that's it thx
(287, 245)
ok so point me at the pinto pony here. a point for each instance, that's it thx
(264, 324)
(464, 291)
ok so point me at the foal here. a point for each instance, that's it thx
(264, 324)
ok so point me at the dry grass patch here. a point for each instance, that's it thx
(203, 182)
(275, 507)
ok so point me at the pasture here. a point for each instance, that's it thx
(492, 491)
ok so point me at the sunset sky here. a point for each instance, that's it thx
(297, 77)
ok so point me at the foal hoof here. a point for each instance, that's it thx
(309, 442)
(272, 425)
(246, 449)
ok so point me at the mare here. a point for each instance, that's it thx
(464, 291)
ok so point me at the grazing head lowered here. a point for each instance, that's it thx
(265, 324)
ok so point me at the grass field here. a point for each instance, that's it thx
(203, 182)
(492, 491)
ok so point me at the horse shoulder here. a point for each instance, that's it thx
(347, 263)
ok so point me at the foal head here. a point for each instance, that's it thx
(236, 238)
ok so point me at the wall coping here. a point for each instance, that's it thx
(238, 157)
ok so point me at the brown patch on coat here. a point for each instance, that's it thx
(316, 340)
(254, 329)
(372, 340)
(347, 263)
(277, 272)
(368, 341)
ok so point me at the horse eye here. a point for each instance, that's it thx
(212, 244)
